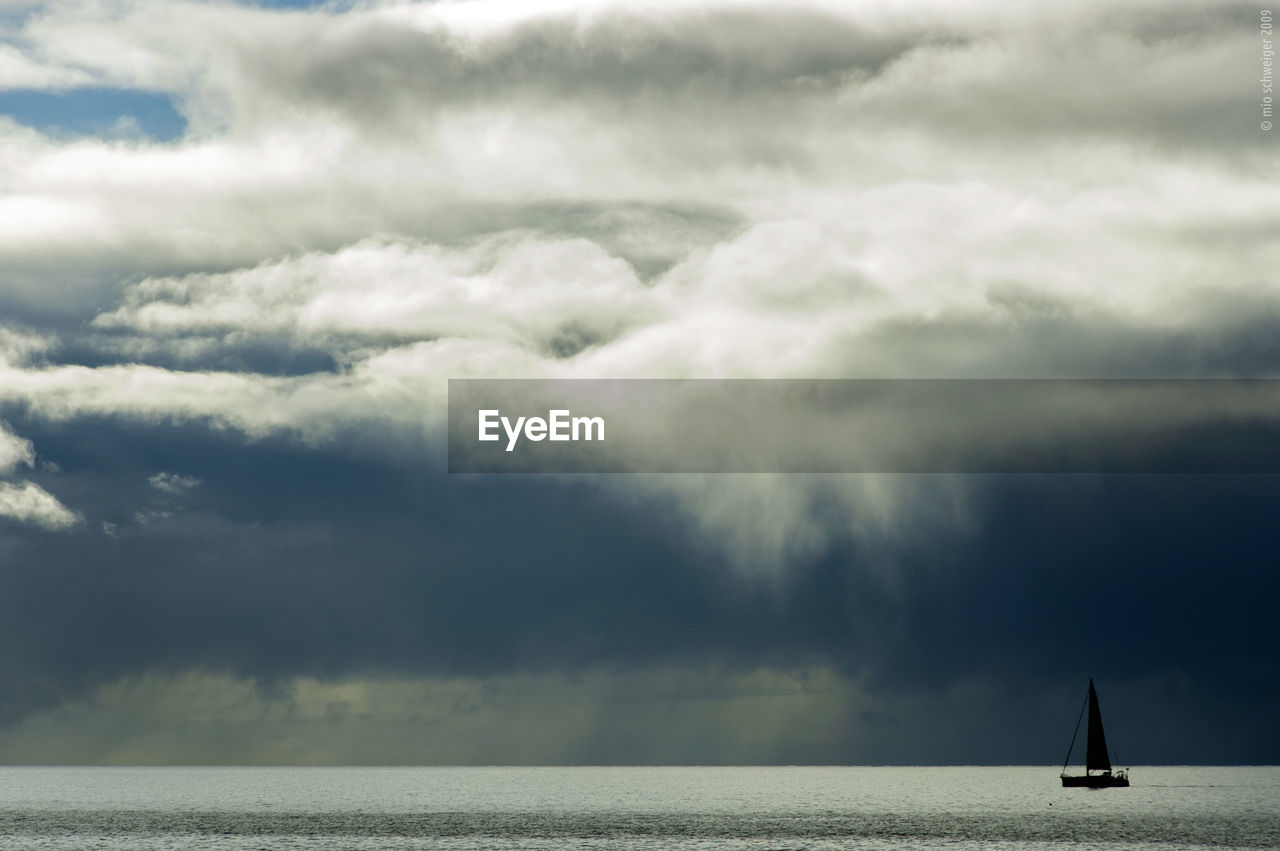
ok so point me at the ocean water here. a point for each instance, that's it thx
(640, 808)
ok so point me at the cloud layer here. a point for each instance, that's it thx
(231, 348)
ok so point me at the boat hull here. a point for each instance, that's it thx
(1095, 781)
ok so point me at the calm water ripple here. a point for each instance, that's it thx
(693, 808)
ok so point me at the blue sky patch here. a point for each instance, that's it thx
(95, 112)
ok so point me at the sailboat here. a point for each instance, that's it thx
(1097, 760)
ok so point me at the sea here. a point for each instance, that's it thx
(1168, 807)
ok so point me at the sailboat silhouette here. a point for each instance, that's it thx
(1097, 758)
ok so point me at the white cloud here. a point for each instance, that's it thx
(315, 408)
(514, 290)
(173, 483)
(20, 346)
(14, 451)
(29, 503)
(323, 129)
(19, 71)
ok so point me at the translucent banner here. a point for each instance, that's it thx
(864, 426)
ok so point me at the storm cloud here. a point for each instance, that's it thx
(224, 356)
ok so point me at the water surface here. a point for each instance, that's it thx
(585, 808)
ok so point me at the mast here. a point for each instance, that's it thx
(1096, 756)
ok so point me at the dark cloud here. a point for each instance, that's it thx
(288, 563)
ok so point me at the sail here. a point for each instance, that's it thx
(1096, 757)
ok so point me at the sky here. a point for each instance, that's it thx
(243, 247)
